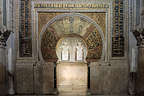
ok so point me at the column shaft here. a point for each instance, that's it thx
(140, 72)
(3, 85)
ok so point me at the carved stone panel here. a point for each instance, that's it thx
(44, 78)
(24, 78)
(108, 80)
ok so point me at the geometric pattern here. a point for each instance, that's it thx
(118, 29)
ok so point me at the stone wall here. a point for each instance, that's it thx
(34, 78)
(104, 79)
(109, 79)
(24, 78)
(107, 76)
(72, 77)
(44, 78)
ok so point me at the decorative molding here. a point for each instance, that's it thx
(74, 6)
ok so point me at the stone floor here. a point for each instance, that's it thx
(72, 94)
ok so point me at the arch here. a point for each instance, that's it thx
(71, 14)
(74, 42)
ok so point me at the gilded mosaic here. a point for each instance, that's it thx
(48, 44)
(94, 43)
(72, 25)
(99, 18)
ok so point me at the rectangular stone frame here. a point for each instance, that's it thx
(32, 60)
(108, 11)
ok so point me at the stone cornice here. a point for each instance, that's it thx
(4, 34)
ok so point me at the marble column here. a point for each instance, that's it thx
(4, 34)
(133, 74)
(10, 65)
(139, 35)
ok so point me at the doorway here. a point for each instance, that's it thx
(72, 70)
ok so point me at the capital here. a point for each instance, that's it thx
(4, 34)
(139, 35)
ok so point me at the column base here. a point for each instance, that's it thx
(11, 92)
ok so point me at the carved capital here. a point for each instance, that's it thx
(4, 34)
(139, 35)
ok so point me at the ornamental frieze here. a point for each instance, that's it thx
(55, 5)
(25, 35)
(118, 39)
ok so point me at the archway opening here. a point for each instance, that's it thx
(72, 69)
(81, 28)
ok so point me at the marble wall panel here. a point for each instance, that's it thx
(48, 75)
(72, 77)
(24, 78)
(38, 79)
(44, 78)
(108, 80)
(119, 81)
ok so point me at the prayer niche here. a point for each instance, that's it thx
(71, 49)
